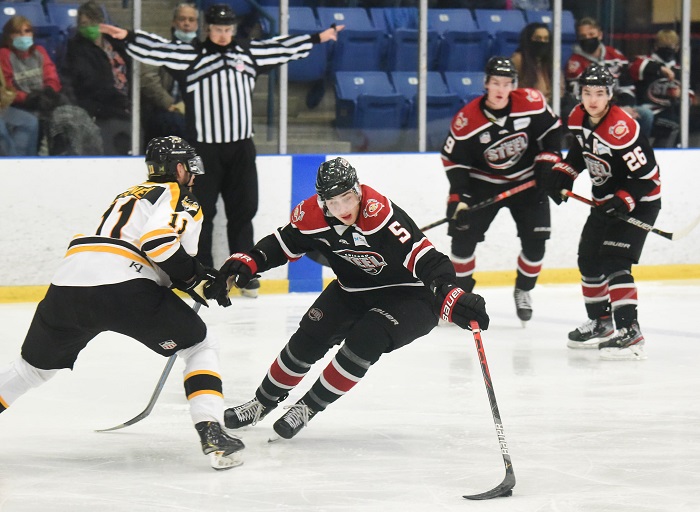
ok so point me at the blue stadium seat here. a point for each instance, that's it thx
(568, 24)
(451, 20)
(400, 24)
(462, 46)
(368, 110)
(33, 11)
(466, 85)
(64, 16)
(503, 27)
(302, 20)
(441, 105)
(359, 46)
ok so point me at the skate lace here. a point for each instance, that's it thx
(298, 413)
(588, 326)
(522, 300)
(250, 411)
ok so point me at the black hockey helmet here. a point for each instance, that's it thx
(164, 153)
(501, 66)
(335, 177)
(220, 14)
(597, 75)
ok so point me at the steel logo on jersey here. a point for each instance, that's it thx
(619, 130)
(372, 208)
(598, 168)
(298, 213)
(506, 152)
(369, 261)
(659, 90)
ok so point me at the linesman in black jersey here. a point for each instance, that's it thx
(119, 280)
(217, 79)
(499, 141)
(391, 287)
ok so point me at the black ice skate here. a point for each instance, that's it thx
(296, 418)
(523, 305)
(246, 414)
(251, 289)
(627, 344)
(591, 333)
(221, 448)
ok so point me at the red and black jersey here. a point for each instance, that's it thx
(617, 64)
(653, 87)
(384, 248)
(500, 151)
(617, 156)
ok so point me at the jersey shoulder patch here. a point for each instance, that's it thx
(469, 119)
(375, 210)
(307, 216)
(527, 101)
(575, 119)
(187, 202)
(618, 129)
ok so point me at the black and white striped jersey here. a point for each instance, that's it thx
(217, 82)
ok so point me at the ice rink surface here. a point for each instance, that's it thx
(414, 436)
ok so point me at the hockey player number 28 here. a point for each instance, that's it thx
(635, 158)
(399, 231)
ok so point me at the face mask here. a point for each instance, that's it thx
(540, 48)
(184, 36)
(589, 45)
(23, 43)
(91, 32)
(667, 54)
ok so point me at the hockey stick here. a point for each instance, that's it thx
(487, 202)
(636, 222)
(505, 488)
(156, 392)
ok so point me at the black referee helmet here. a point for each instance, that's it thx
(220, 14)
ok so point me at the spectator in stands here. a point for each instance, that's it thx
(98, 68)
(533, 59)
(657, 78)
(590, 49)
(162, 105)
(19, 130)
(29, 71)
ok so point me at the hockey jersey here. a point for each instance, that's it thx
(617, 64)
(617, 156)
(499, 151)
(145, 226)
(653, 87)
(383, 249)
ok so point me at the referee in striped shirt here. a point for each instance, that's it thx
(217, 79)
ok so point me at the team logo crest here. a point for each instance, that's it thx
(315, 314)
(298, 213)
(368, 261)
(460, 122)
(372, 208)
(619, 130)
(168, 345)
(485, 138)
(533, 95)
(189, 205)
(598, 169)
(506, 152)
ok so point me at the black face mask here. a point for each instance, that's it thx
(540, 48)
(589, 45)
(667, 54)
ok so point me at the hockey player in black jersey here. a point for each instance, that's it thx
(625, 179)
(496, 142)
(119, 280)
(391, 287)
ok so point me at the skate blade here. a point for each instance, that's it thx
(274, 438)
(221, 462)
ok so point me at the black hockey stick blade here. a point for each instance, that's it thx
(505, 488)
(487, 202)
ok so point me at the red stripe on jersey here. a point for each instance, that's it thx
(465, 268)
(337, 379)
(411, 265)
(623, 293)
(598, 291)
(279, 375)
(526, 267)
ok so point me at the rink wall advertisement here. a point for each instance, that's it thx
(51, 200)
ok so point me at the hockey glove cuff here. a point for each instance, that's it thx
(560, 177)
(460, 307)
(241, 267)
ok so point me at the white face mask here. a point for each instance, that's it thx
(184, 36)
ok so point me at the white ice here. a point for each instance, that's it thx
(415, 434)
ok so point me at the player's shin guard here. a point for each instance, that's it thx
(203, 386)
(19, 377)
(284, 374)
(596, 296)
(464, 268)
(623, 298)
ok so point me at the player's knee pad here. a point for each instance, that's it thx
(616, 265)
(533, 249)
(369, 342)
(589, 266)
(463, 247)
(305, 348)
(208, 345)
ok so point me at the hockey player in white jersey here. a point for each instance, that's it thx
(119, 280)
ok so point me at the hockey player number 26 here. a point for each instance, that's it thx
(399, 231)
(635, 158)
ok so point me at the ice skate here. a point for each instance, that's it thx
(626, 345)
(246, 414)
(296, 418)
(523, 305)
(591, 333)
(251, 289)
(221, 448)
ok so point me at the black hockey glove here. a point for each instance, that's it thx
(561, 176)
(543, 164)
(458, 214)
(460, 307)
(194, 285)
(241, 267)
(621, 202)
